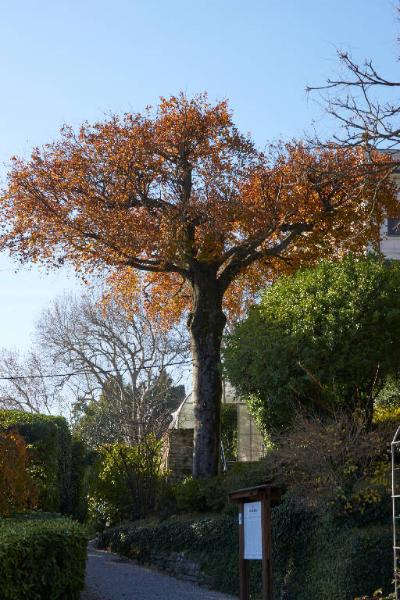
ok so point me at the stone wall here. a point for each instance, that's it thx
(178, 453)
(177, 564)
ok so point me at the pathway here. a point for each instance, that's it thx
(111, 577)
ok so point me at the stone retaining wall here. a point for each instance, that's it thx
(177, 564)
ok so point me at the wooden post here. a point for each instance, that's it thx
(243, 564)
(266, 542)
(267, 496)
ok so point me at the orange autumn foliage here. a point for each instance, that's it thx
(180, 211)
(17, 491)
(161, 191)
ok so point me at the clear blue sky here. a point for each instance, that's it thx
(70, 61)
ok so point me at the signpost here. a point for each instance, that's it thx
(255, 534)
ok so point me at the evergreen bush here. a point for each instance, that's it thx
(41, 558)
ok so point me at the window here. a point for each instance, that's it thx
(393, 226)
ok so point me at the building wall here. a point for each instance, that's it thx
(250, 442)
(178, 454)
(390, 244)
(179, 440)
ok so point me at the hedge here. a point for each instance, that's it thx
(50, 453)
(41, 558)
(313, 557)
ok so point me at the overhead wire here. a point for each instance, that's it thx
(72, 373)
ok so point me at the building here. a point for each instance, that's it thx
(179, 446)
(250, 442)
(390, 239)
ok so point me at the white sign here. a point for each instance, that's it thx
(252, 531)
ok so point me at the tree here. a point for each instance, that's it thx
(27, 383)
(324, 339)
(178, 193)
(109, 419)
(365, 102)
(116, 362)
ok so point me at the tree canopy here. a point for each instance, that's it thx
(324, 339)
(112, 417)
(178, 204)
(165, 190)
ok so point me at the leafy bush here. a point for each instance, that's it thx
(313, 557)
(127, 482)
(324, 338)
(358, 559)
(189, 496)
(56, 463)
(41, 558)
(211, 495)
(17, 491)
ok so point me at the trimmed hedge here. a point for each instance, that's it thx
(312, 557)
(41, 557)
(80, 461)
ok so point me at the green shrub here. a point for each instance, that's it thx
(41, 558)
(313, 556)
(377, 595)
(309, 342)
(211, 495)
(318, 557)
(127, 482)
(210, 541)
(189, 496)
(358, 560)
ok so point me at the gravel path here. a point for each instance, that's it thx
(111, 577)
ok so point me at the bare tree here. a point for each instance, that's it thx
(116, 355)
(365, 102)
(30, 383)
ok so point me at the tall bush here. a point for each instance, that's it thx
(324, 338)
(127, 481)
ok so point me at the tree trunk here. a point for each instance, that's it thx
(206, 324)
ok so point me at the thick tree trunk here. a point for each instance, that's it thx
(206, 325)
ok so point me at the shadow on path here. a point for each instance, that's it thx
(111, 577)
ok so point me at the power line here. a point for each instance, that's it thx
(100, 371)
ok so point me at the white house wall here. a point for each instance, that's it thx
(390, 244)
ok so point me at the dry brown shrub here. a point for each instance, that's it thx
(332, 462)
